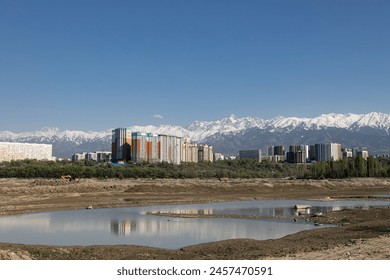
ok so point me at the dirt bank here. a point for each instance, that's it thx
(361, 234)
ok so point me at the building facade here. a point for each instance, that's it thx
(298, 154)
(189, 151)
(205, 153)
(170, 149)
(145, 147)
(139, 147)
(19, 151)
(327, 152)
(121, 145)
(250, 154)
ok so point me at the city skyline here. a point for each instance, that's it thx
(94, 65)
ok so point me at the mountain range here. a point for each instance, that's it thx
(231, 134)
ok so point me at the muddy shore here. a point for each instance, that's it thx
(360, 233)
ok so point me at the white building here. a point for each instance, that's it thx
(170, 148)
(79, 156)
(19, 151)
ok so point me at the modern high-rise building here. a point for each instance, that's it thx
(139, 147)
(19, 151)
(279, 151)
(152, 148)
(121, 145)
(298, 154)
(327, 152)
(145, 147)
(205, 152)
(170, 148)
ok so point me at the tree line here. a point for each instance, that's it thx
(243, 168)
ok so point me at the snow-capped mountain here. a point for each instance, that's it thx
(346, 121)
(47, 134)
(232, 133)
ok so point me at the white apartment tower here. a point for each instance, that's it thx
(170, 149)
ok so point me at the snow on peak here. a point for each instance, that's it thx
(200, 130)
(53, 132)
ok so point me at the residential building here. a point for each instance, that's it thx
(19, 151)
(205, 152)
(170, 148)
(99, 156)
(121, 145)
(91, 156)
(189, 151)
(104, 156)
(139, 147)
(152, 148)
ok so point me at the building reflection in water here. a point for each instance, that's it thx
(189, 211)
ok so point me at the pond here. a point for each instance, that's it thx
(133, 226)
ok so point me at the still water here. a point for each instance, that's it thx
(133, 226)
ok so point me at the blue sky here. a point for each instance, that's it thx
(94, 65)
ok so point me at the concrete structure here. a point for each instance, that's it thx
(79, 156)
(205, 152)
(99, 156)
(121, 145)
(92, 156)
(250, 154)
(170, 148)
(19, 151)
(105, 156)
(189, 151)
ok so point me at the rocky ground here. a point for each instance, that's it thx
(360, 234)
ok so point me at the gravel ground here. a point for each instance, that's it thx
(360, 234)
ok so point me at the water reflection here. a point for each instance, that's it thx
(133, 226)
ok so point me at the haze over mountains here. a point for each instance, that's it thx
(231, 134)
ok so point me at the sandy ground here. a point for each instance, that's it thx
(360, 234)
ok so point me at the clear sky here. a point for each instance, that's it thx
(94, 65)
